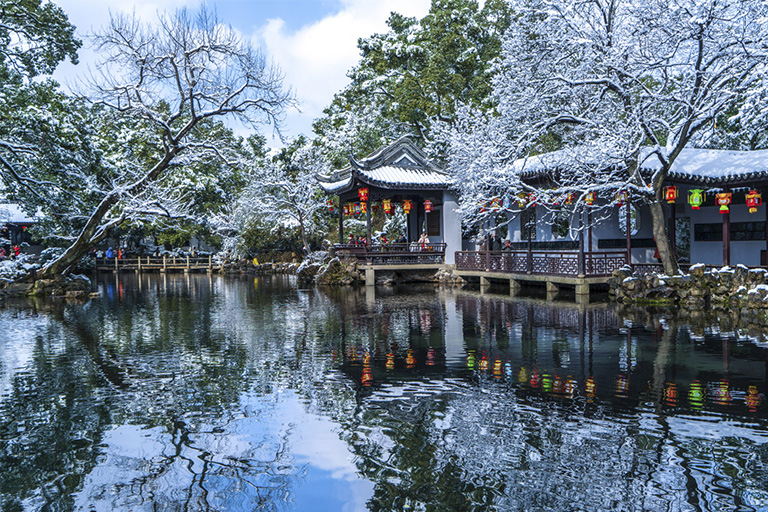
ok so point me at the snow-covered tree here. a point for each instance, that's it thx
(282, 193)
(159, 88)
(615, 86)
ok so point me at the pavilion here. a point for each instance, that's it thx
(399, 176)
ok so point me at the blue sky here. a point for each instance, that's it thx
(313, 41)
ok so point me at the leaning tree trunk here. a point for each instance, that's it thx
(663, 242)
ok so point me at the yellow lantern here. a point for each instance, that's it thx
(621, 198)
(723, 199)
(589, 199)
(407, 205)
(363, 207)
(386, 204)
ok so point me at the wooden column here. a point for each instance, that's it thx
(529, 229)
(589, 246)
(368, 224)
(766, 238)
(582, 266)
(673, 230)
(341, 222)
(727, 236)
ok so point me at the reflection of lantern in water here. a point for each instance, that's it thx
(670, 394)
(621, 386)
(522, 375)
(426, 321)
(535, 379)
(546, 382)
(471, 360)
(590, 388)
(484, 363)
(431, 357)
(721, 393)
(497, 368)
(508, 369)
(390, 364)
(696, 395)
(753, 398)
(570, 387)
(557, 385)
(410, 360)
(367, 377)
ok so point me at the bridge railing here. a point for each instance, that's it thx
(412, 253)
(155, 262)
(558, 263)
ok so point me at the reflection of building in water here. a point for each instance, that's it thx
(562, 351)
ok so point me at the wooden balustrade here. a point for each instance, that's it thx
(149, 263)
(556, 263)
(412, 253)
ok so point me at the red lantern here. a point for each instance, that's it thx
(386, 204)
(427, 206)
(670, 193)
(330, 205)
(495, 204)
(621, 198)
(407, 205)
(363, 207)
(568, 199)
(723, 199)
(362, 194)
(754, 199)
(346, 209)
(590, 198)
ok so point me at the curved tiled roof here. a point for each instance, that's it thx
(401, 165)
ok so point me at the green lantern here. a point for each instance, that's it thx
(696, 198)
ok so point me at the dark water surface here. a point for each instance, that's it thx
(199, 393)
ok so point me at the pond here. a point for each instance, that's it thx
(207, 393)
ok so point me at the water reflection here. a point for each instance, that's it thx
(178, 392)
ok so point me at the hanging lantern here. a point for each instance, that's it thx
(386, 205)
(670, 193)
(362, 194)
(621, 198)
(754, 199)
(723, 199)
(531, 198)
(346, 210)
(363, 207)
(568, 199)
(330, 205)
(357, 209)
(522, 200)
(696, 198)
(427, 206)
(495, 204)
(589, 199)
(407, 205)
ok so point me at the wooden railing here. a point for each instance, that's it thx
(559, 263)
(395, 254)
(149, 263)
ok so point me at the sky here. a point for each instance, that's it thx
(314, 42)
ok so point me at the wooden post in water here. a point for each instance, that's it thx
(116, 264)
(186, 270)
(138, 266)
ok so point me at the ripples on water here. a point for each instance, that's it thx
(204, 393)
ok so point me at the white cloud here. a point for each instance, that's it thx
(316, 57)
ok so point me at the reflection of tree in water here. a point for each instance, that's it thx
(162, 364)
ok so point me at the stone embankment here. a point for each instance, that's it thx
(727, 287)
(69, 287)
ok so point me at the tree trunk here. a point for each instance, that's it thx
(663, 242)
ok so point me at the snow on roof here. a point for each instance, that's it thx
(11, 212)
(400, 165)
(715, 165)
(704, 165)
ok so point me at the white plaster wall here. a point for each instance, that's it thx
(451, 227)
